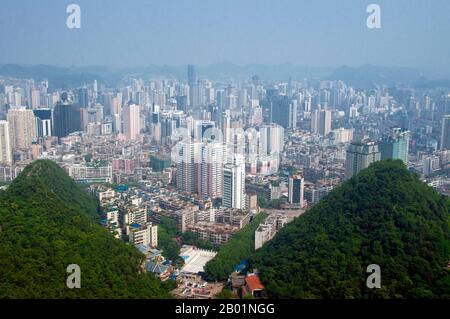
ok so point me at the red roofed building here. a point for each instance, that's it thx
(253, 286)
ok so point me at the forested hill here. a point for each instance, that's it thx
(385, 215)
(46, 223)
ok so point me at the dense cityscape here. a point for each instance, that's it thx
(209, 157)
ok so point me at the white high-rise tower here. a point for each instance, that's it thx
(234, 183)
(131, 121)
(5, 145)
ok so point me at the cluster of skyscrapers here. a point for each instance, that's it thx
(224, 139)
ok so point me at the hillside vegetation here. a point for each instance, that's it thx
(385, 215)
(46, 223)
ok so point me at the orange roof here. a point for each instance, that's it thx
(253, 283)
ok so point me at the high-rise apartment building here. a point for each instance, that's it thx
(193, 86)
(445, 133)
(22, 127)
(271, 139)
(212, 169)
(360, 155)
(200, 167)
(5, 145)
(283, 111)
(321, 122)
(188, 159)
(131, 121)
(234, 183)
(395, 145)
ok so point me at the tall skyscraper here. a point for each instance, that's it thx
(271, 139)
(83, 97)
(22, 127)
(131, 120)
(188, 159)
(199, 167)
(445, 133)
(182, 103)
(66, 118)
(360, 155)
(234, 183)
(395, 145)
(296, 189)
(5, 145)
(283, 111)
(193, 87)
(43, 122)
(212, 169)
(35, 99)
(321, 122)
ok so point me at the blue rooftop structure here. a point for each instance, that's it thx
(242, 265)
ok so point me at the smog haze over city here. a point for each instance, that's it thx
(204, 153)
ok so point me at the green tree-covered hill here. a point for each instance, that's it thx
(46, 223)
(385, 215)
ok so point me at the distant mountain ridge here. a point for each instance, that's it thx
(364, 77)
(367, 76)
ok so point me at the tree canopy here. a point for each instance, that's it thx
(385, 215)
(48, 222)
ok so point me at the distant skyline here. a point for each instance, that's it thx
(138, 33)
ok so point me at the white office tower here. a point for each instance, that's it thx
(296, 189)
(5, 145)
(234, 183)
(22, 127)
(188, 159)
(131, 121)
(212, 169)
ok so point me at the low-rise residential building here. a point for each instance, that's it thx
(144, 234)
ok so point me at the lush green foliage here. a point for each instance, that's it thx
(46, 223)
(385, 215)
(167, 232)
(230, 254)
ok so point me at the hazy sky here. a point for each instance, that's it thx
(143, 32)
